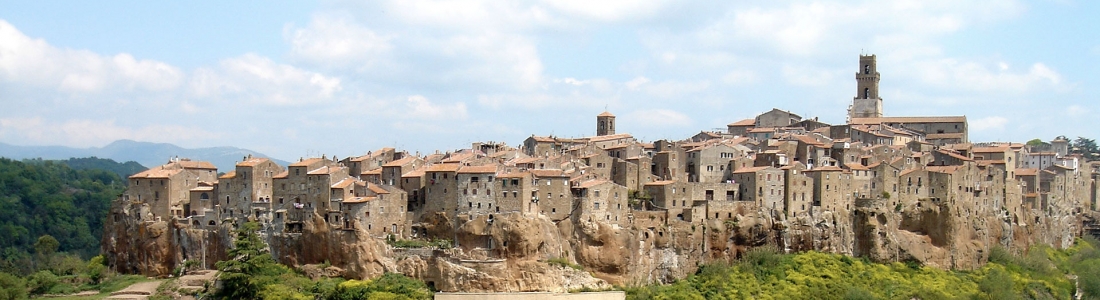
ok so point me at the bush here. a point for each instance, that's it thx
(42, 282)
(389, 286)
(12, 287)
(564, 263)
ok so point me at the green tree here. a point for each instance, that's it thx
(1035, 142)
(250, 267)
(12, 287)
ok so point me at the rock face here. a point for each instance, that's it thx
(525, 252)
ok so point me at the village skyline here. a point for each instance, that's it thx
(303, 79)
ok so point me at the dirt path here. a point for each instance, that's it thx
(137, 291)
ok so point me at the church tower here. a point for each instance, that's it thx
(605, 124)
(867, 103)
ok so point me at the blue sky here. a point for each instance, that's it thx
(295, 79)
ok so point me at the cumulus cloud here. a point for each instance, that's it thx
(421, 108)
(336, 42)
(34, 62)
(1001, 77)
(260, 80)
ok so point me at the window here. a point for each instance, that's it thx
(597, 205)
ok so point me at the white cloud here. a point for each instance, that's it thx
(337, 42)
(1077, 110)
(637, 82)
(952, 73)
(609, 10)
(421, 108)
(260, 80)
(989, 123)
(809, 75)
(35, 62)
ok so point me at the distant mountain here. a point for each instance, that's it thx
(145, 153)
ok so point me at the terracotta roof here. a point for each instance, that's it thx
(252, 162)
(190, 164)
(745, 122)
(663, 182)
(306, 162)
(907, 171)
(857, 167)
(953, 154)
(542, 138)
(808, 140)
(343, 184)
(478, 169)
(610, 137)
(419, 172)
(359, 200)
(401, 162)
(373, 154)
(605, 114)
(326, 170)
(943, 169)
(375, 171)
(377, 189)
(909, 120)
(459, 157)
(547, 173)
(158, 172)
(762, 129)
(284, 174)
(443, 168)
(202, 189)
(228, 175)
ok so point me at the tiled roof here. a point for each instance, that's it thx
(306, 162)
(610, 137)
(547, 172)
(419, 172)
(159, 172)
(605, 114)
(357, 200)
(443, 168)
(191, 164)
(284, 174)
(662, 182)
(343, 184)
(745, 122)
(228, 175)
(478, 169)
(252, 162)
(401, 162)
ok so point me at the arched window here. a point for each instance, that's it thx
(204, 196)
(866, 69)
(866, 93)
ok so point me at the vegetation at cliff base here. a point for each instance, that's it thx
(253, 274)
(1042, 273)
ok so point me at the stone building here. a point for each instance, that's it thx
(166, 190)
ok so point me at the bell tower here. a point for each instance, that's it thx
(605, 124)
(866, 103)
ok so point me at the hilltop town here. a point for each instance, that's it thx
(493, 217)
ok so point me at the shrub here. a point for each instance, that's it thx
(12, 287)
(564, 263)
